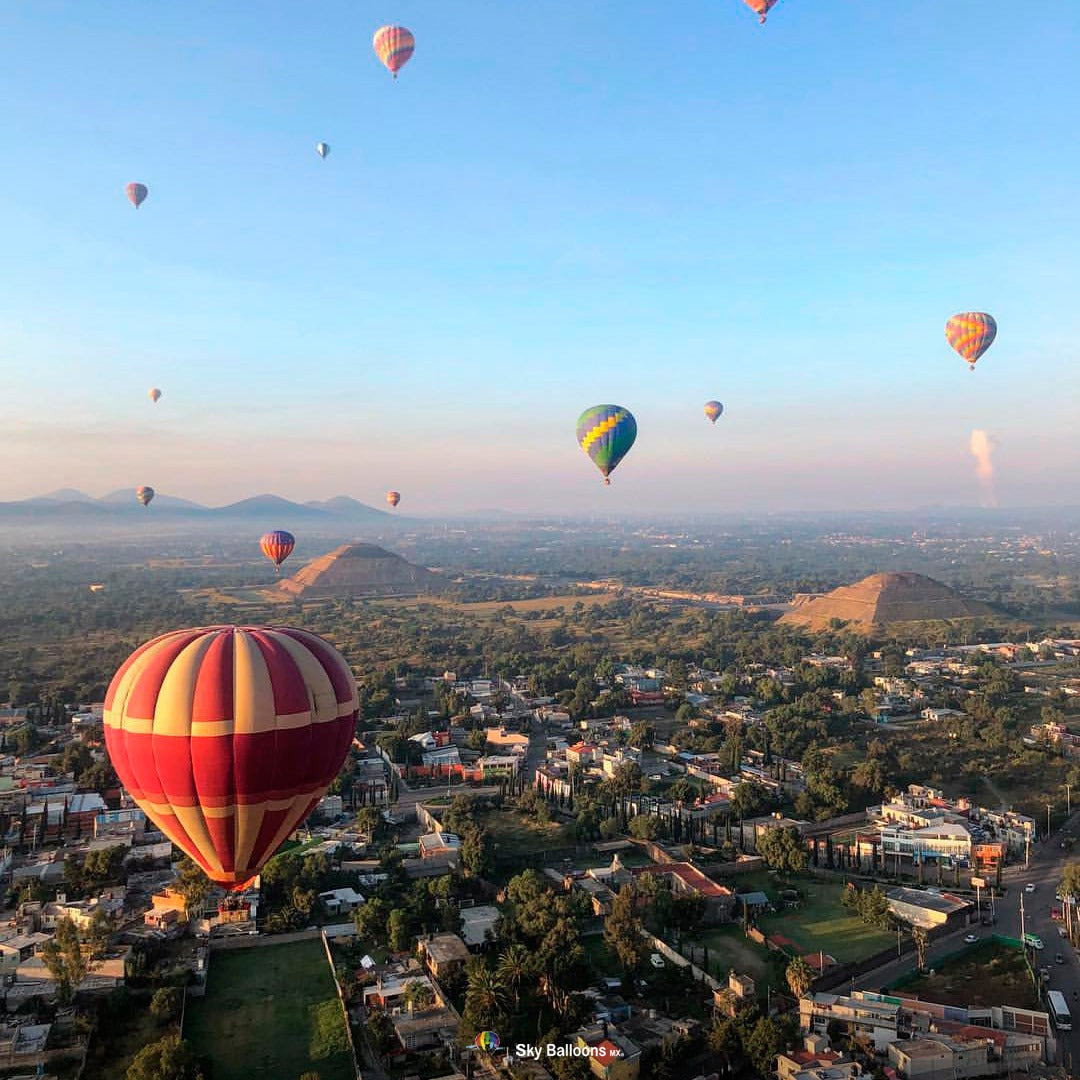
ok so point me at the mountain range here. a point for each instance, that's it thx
(68, 503)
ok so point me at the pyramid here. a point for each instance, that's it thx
(883, 599)
(361, 570)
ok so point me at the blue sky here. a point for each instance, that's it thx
(557, 204)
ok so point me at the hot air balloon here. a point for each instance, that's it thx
(322, 149)
(277, 546)
(154, 395)
(713, 409)
(229, 736)
(393, 497)
(762, 8)
(971, 333)
(136, 193)
(393, 46)
(606, 433)
(144, 495)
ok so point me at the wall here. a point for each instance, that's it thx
(665, 950)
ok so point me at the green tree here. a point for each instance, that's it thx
(644, 827)
(192, 884)
(476, 854)
(764, 1042)
(165, 1004)
(397, 930)
(419, 994)
(799, 976)
(485, 998)
(622, 930)
(170, 1058)
(67, 958)
(515, 967)
(920, 937)
(783, 850)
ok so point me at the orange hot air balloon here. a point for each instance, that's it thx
(154, 395)
(229, 736)
(277, 545)
(971, 333)
(136, 194)
(393, 46)
(761, 8)
(393, 497)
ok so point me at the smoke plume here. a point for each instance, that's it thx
(982, 448)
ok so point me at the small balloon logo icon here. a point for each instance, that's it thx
(487, 1041)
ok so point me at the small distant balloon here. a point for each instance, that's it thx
(761, 8)
(393, 46)
(322, 149)
(393, 497)
(713, 410)
(277, 545)
(971, 333)
(136, 194)
(144, 495)
(154, 395)
(606, 433)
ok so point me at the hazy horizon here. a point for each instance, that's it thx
(547, 210)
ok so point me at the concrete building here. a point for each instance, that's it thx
(443, 954)
(927, 909)
(874, 1021)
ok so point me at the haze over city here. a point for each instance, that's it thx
(557, 206)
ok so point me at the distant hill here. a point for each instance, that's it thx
(882, 600)
(263, 511)
(361, 570)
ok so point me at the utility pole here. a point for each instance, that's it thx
(1068, 800)
(1048, 819)
(1027, 850)
(1023, 935)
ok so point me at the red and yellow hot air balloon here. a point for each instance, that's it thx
(393, 497)
(136, 194)
(971, 333)
(154, 394)
(761, 8)
(277, 545)
(393, 46)
(229, 736)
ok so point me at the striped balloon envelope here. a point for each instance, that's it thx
(229, 736)
(277, 545)
(971, 333)
(761, 8)
(606, 433)
(136, 194)
(393, 46)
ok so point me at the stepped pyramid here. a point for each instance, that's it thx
(361, 570)
(882, 599)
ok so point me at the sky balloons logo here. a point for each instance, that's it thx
(488, 1041)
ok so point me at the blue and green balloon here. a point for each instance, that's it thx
(606, 433)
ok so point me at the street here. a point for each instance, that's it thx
(1044, 872)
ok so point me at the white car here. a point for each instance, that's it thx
(1029, 887)
(971, 939)
(656, 960)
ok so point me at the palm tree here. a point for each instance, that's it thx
(514, 967)
(920, 937)
(799, 976)
(486, 996)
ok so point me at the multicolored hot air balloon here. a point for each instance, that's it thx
(154, 394)
(761, 7)
(277, 546)
(393, 46)
(144, 495)
(393, 497)
(971, 333)
(136, 193)
(322, 149)
(713, 410)
(606, 433)
(229, 736)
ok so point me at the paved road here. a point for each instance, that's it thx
(1044, 872)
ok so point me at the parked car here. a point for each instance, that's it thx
(1058, 958)
(656, 960)
(1029, 887)
(970, 939)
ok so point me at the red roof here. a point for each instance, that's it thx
(689, 875)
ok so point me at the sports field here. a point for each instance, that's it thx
(259, 1018)
(822, 923)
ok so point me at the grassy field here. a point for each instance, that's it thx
(517, 835)
(256, 1020)
(822, 923)
(730, 948)
(984, 975)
